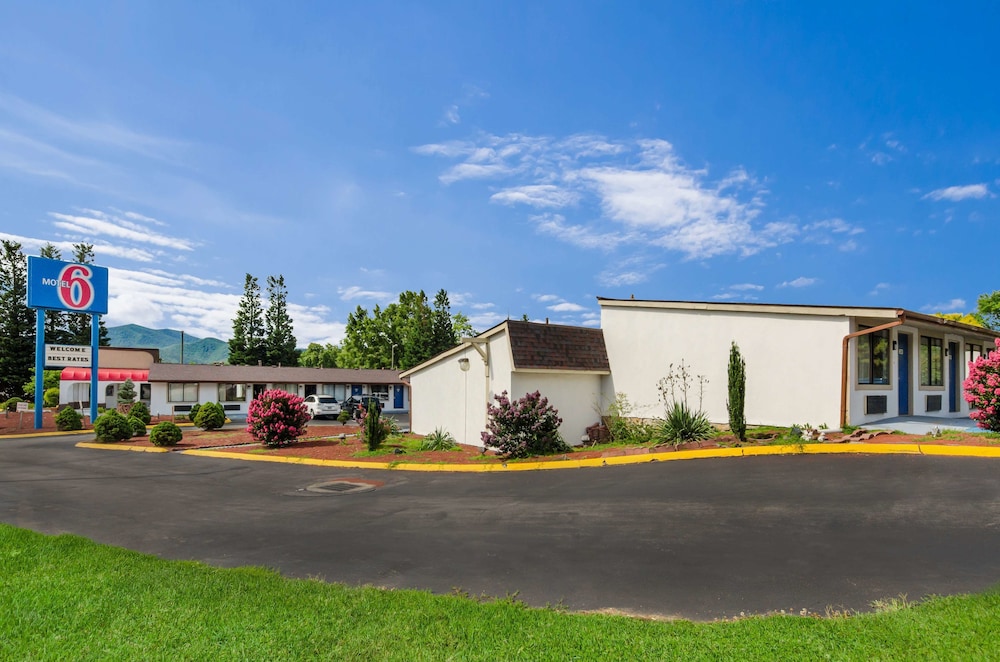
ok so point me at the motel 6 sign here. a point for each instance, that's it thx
(69, 286)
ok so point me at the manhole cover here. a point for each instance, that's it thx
(340, 487)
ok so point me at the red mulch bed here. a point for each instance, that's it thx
(322, 441)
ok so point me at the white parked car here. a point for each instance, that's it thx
(322, 405)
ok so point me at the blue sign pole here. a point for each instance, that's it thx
(39, 366)
(95, 341)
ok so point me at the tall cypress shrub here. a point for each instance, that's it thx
(736, 402)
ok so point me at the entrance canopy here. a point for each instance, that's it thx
(104, 375)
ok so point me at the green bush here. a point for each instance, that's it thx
(374, 429)
(682, 425)
(138, 427)
(126, 393)
(50, 397)
(439, 440)
(736, 404)
(165, 434)
(112, 426)
(69, 419)
(11, 404)
(211, 416)
(195, 408)
(141, 411)
(344, 416)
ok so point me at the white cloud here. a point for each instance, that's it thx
(546, 298)
(356, 292)
(566, 307)
(745, 287)
(641, 191)
(959, 193)
(878, 289)
(451, 115)
(801, 281)
(536, 195)
(96, 223)
(881, 158)
(833, 225)
(951, 306)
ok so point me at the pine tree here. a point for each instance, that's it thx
(279, 339)
(17, 323)
(443, 335)
(78, 324)
(247, 344)
(56, 321)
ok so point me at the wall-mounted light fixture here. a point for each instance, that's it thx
(464, 364)
(946, 351)
(894, 345)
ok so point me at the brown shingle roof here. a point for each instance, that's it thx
(249, 374)
(557, 347)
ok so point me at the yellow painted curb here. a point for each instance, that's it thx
(113, 447)
(44, 434)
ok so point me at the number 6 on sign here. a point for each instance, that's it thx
(75, 289)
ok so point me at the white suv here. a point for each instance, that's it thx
(322, 405)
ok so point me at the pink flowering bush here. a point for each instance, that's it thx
(525, 427)
(982, 390)
(277, 418)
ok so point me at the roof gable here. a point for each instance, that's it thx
(555, 347)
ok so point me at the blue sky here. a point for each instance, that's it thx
(527, 157)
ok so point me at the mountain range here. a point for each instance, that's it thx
(168, 341)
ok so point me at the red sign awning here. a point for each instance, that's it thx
(104, 375)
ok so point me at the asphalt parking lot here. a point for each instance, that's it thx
(699, 539)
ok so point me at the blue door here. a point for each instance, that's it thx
(397, 397)
(904, 374)
(953, 376)
(356, 389)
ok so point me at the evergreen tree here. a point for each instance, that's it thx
(247, 345)
(279, 339)
(17, 321)
(443, 335)
(78, 324)
(56, 321)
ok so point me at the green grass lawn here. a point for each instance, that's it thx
(66, 598)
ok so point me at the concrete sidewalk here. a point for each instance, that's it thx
(925, 424)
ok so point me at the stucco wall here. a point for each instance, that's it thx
(793, 362)
(575, 397)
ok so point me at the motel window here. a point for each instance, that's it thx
(182, 392)
(232, 392)
(973, 352)
(287, 388)
(873, 357)
(381, 390)
(931, 361)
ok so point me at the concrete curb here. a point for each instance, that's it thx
(44, 434)
(802, 449)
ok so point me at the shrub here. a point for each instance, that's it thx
(165, 434)
(195, 408)
(682, 425)
(50, 397)
(126, 393)
(525, 427)
(138, 427)
(439, 440)
(112, 426)
(69, 419)
(210, 416)
(344, 416)
(982, 390)
(11, 404)
(375, 429)
(277, 418)
(141, 411)
(623, 427)
(736, 404)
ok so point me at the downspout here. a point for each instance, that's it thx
(484, 354)
(900, 319)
